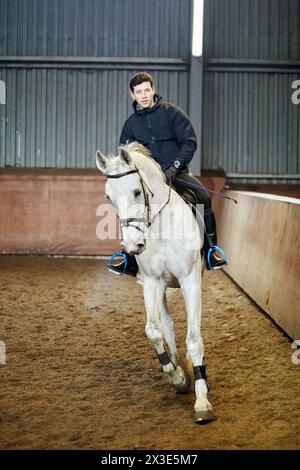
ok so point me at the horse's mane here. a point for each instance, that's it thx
(137, 147)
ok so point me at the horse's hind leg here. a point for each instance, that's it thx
(154, 292)
(191, 289)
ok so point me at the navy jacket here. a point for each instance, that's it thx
(165, 130)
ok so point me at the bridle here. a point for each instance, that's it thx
(146, 220)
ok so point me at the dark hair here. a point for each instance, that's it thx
(139, 78)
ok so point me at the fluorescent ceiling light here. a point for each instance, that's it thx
(197, 44)
(2, 92)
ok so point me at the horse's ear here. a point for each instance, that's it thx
(101, 161)
(125, 155)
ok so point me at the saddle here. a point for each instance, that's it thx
(188, 196)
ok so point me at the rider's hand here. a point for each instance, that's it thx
(171, 173)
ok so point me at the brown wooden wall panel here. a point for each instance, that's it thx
(51, 213)
(261, 238)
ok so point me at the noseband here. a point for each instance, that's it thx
(147, 221)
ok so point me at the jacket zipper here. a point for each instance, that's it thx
(150, 127)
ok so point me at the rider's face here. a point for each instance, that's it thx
(143, 94)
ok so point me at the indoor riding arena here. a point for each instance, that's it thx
(77, 370)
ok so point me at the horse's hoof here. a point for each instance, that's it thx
(203, 416)
(183, 387)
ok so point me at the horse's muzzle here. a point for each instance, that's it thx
(133, 249)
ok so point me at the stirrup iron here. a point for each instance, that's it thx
(117, 253)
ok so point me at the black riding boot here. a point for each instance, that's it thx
(131, 268)
(216, 258)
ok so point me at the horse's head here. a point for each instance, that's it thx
(126, 191)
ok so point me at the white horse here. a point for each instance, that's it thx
(152, 217)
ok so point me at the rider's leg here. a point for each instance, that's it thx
(186, 181)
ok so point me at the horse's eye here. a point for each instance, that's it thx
(137, 192)
(107, 197)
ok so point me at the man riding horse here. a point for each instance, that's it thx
(167, 132)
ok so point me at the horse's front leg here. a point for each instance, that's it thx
(191, 289)
(154, 292)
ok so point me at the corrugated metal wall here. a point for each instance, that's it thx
(66, 65)
(105, 28)
(250, 123)
(73, 98)
(251, 58)
(58, 118)
(252, 29)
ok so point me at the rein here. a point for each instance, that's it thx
(148, 222)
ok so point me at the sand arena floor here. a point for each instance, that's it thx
(80, 373)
